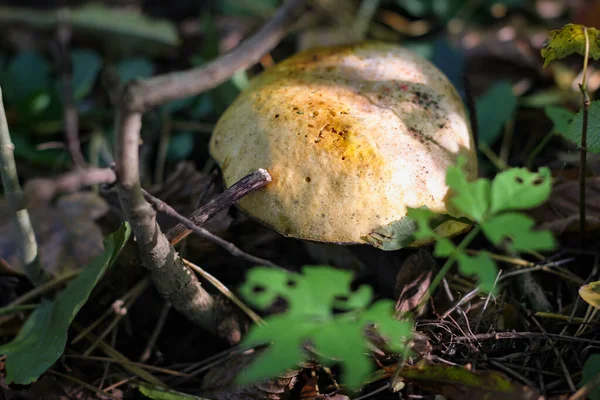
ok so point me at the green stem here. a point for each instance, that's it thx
(28, 249)
(584, 128)
(449, 263)
(538, 149)
(17, 309)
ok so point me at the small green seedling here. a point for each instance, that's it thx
(311, 327)
(492, 205)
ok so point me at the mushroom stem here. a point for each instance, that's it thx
(235, 192)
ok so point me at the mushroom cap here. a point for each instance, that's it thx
(352, 136)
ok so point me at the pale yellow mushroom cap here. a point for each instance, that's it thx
(351, 136)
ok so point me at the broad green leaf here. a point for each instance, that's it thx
(27, 73)
(591, 294)
(518, 188)
(517, 229)
(180, 146)
(134, 68)
(593, 130)
(86, 66)
(590, 370)
(568, 40)
(472, 198)
(480, 265)
(561, 118)
(158, 393)
(443, 247)
(495, 108)
(310, 318)
(43, 337)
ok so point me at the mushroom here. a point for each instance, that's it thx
(352, 136)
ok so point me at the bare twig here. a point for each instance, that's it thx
(584, 128)
(173, 280)
(28, 250)
(247, 184)
(63, 35)
(160, 324)
(42, 190)
(524, 335)
(230, 247)
(152, 92)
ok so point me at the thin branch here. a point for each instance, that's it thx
(230, 247)
(226, 199)
(584, 128)
(28, 249)
(43, 190)
(71, 116)
(152, 92)
(524, 335)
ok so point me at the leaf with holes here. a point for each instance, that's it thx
(591, 294)
(516, 230)
(517, 188)
(593, 129)
(312, 298)
(568, 40)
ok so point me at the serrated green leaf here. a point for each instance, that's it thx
(518, 230)
(591, 294)
(495, 108)
(568, 40)
(134, 68)
(560, 117)
(518, 189)
(590, 370)
(423, 217)
(593, 131)
(395, 332)
(158, 393)
(443, 247)
(480, 265)
(472, 198)
(43, 337)
(86, 66)
(311, 297)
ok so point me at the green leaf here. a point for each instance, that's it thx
(43, 337)
(593, 131)
(472, 198)
(395, 235)
(518, 188)
(134, 68)
(568, 40)
(27, 73)
(591, 294)
(86, 66)
(517, 229)
(310, 318)
(495, 108)
(158, 393)
(590, 370)
(480, 265)
(423, 216)
(561, 118)
(180, 147)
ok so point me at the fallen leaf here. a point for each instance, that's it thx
(413, 280)
(591, 294)
(560, 213)
(455, 382)
(67, 234)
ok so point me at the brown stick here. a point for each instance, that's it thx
(247, 184)
(152, 92)
(71, 116)
(173, 280)
(43, 190)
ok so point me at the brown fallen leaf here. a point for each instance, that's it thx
(413, 280)
(454, 382)
(67, 234)
(560, 213)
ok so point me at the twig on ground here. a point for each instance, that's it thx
(28, 249)
(43, 190)
(247, 184)
(173, 280)
(71, 116)
(524, 335)
(198, 230)
(160, 323)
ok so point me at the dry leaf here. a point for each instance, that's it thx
(561, 212)
(413, 280)
(591, 294)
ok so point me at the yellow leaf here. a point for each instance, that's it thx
(591, 294)
(568, 40)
